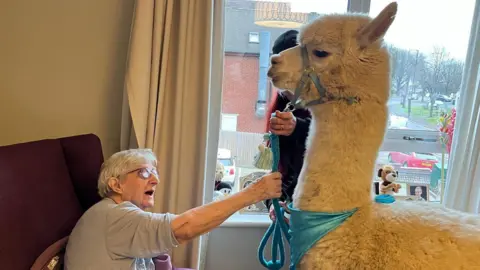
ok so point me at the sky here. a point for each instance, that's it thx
(419, 24)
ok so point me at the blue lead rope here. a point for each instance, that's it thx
(279, 226)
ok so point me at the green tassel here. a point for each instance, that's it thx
(264, 158)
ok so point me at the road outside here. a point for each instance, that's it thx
(419, 118)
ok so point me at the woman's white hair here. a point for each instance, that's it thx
(121, 163)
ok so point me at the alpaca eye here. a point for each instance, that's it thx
(320, 54)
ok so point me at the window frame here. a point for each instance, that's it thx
(394, 140)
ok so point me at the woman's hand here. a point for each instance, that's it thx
(271, 212)
(267, 187)
(205, 218)
(283, 123)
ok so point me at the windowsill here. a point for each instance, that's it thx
(247, 220)
(253, 220)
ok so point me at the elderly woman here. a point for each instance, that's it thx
(116, 233)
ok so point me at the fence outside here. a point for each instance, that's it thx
(244, 145)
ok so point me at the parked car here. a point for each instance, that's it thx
(413, 159)
(444, 98)
(224, 156)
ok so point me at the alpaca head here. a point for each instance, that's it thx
(346, 53)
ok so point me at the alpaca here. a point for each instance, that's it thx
(347, 53)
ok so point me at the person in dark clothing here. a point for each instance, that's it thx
(292, 129)
(219, 185)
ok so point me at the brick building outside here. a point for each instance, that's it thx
(246, 91)
(239, 94)
(241, 68)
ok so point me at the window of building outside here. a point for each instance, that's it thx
(427, 57)
(229, 122)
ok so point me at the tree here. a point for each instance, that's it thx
(442, 75)
(420, 71)
(404, 66)
(432, 74)
(436, 73)
(452, 72)
(399, 66)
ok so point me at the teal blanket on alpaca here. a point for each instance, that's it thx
(306, 228)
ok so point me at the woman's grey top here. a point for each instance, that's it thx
(118, 236)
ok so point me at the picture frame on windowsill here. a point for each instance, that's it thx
(419, 192)
(406, 195)
(245, 181)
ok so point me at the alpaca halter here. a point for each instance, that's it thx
(308, 75)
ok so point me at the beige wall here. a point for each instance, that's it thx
(235, 248)
(62, 64)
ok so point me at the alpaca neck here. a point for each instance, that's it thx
(342, 147)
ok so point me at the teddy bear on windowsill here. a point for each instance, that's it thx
(389, 176)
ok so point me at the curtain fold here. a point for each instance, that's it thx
(462, 190)
(166, 101)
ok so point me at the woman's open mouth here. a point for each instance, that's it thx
(149, 192)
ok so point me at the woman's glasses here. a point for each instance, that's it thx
(145, 173)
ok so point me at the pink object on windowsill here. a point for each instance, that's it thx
(163, 262)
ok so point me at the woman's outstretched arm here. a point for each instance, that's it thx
(205, 218)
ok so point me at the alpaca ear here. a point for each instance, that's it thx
(377, 28)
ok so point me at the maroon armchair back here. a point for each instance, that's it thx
(45, 186)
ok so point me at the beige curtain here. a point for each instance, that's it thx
(166, 101)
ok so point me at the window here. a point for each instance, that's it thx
(253, 37)
(229, 122)
(226, 161)
(427, 55)
(427, 63)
